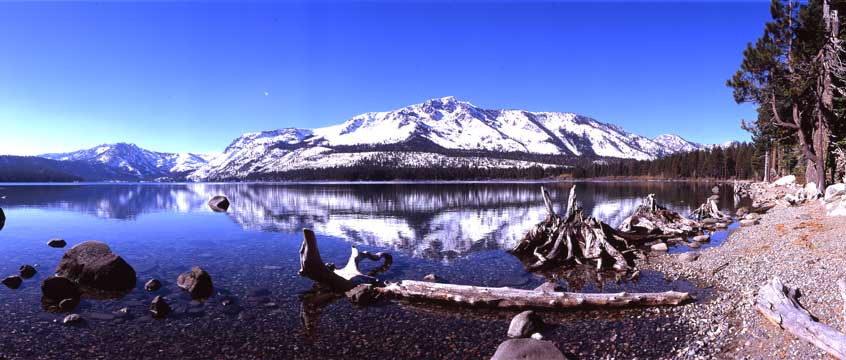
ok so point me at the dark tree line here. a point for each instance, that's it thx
(739, 161)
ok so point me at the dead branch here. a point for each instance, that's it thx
(778, 303)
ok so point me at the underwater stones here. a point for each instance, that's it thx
(219, 203)
(12, 282)
(27, 271)
(92, 264)
(72, 319)
(57, 243)
(159, 307)
(59, 294)
(525, 324)
(152, 285)
(197, 282)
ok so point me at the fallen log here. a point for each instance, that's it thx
(658, 222)
(360, 286)
(505, 297)
(778, 304)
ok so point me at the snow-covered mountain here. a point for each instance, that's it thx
(675, 143)
(135, 162)
(443, 132)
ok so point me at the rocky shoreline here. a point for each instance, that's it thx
(799, 244)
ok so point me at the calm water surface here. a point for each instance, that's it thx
(458, 231)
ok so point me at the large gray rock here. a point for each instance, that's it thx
(198, 283)
(784, 181)
(219, 203)
(525, 324)
(833, 192)
(811, 190)
(93, 265)
(527, 349)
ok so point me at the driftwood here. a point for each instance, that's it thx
(360, 286)
(658, 222)
(312, 266)
(709, 210)
(779, 305)
(742, 189)
(574, 239)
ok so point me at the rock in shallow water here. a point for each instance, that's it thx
(527, 349)
(27, 271)
(702, 238)
(59, 288)
(198, 283)
(159, 307)
(72, 319)
(659, 247)
(12, 282)
(525, 324)
(57, 243)
(219, 203)
(92, 264)
(152, 285)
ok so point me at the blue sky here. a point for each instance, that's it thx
(193, 76)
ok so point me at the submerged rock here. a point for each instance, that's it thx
(92, 264)
(152, 285)
(197, 282)
(27, 271)
(525, 324)
(219, 203)
(57, 243)
(527, 349)
(12, 282)
(72, 319)
(59, 294)
(159, 307)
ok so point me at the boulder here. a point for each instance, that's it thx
(159, 307)
(746, 222)
(527, 349)
(742, 211)
(92, 264)
(834, 192)
(659, 247)
(152, 285)
(752, 216)
(12, 282)
(197, 282)
(702, 238)
(525, 324)
(811, 190)
(694, 245)
(219, 203)
(689, 256)
(836, 208)
(721, 225)
(27, 271)
(784, 181)
(59, 294)
(57, 243)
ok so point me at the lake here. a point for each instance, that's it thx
(459, 231)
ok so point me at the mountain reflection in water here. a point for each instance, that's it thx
(424, 219)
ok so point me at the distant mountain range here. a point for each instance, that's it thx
(439, 133)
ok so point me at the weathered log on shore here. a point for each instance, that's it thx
(779, 305)
(505, 297)
(574, 239)
(359, 286)
(658, 222)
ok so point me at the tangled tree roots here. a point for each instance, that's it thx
(574, 239)
(657, 222)
(709, 210)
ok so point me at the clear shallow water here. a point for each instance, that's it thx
(457, 231)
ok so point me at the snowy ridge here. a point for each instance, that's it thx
(135, 161)
(438, 132)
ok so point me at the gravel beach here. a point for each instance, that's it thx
(800, 245)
